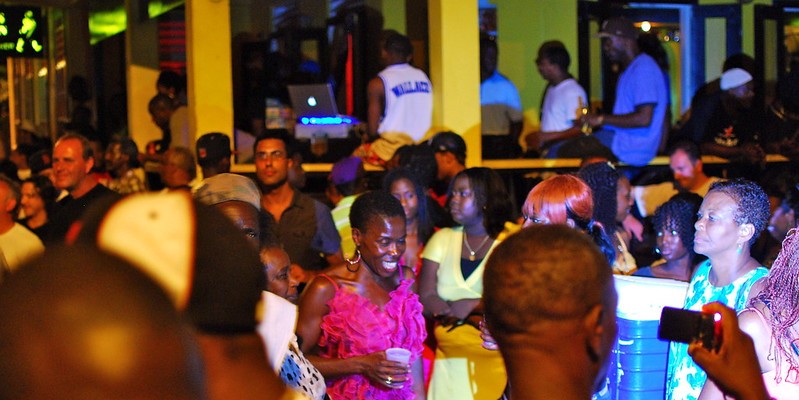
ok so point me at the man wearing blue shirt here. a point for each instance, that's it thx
(634, 129)
(500, 107)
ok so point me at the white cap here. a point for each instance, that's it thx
(732, 78)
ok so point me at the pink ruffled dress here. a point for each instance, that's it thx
(355, 326)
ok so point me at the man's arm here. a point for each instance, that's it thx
(734, 367)
(641, 117)
(750, 153)
(376, 93)
(327, 240)
(547, 137)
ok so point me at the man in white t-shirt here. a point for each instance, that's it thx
(563, 99)
(17, 243)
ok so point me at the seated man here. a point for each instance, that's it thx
(686, 166)
(550, 303)
(400, 97)
(563, 99)
(726, 123)
(634, 128)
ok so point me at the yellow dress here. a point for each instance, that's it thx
(463, 369)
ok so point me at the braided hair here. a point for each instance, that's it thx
(781, 296)
(679, 214)
(603, 179)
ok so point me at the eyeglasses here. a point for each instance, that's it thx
(274, 155)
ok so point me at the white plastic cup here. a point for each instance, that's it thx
(398, 354)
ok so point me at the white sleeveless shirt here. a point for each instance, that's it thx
(409, 101)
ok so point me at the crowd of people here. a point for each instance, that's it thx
(118, 284)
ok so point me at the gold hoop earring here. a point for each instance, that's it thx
(354, 261)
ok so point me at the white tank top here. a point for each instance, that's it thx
(409, 101)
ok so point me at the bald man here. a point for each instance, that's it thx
(114, 336)
(73, 160)
(551, 306)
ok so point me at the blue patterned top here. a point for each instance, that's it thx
(685, 379)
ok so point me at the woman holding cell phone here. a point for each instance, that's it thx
(354, 316)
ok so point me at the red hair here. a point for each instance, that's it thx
(559, 198)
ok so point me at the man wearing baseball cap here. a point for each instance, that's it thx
(213, 154)
(633, 130)
(450, 151)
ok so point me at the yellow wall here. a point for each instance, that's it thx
(455, 71)
(210, 90)
(141, 88)
(522, 27)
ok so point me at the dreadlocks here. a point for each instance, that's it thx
(781, 296)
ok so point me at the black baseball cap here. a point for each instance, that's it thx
(449, 141)
(213, 146)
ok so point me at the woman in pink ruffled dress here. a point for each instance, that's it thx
(352, 313)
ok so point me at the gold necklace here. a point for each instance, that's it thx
(472, 256)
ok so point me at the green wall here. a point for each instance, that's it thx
(522, 26)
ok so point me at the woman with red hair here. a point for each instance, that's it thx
(561, 199)
(566, 199)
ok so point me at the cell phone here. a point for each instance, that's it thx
(687, 326)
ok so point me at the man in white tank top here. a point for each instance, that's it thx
(400, 100)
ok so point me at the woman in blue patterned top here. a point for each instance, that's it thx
(731, 217)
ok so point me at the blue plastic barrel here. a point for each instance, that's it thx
(638, 363)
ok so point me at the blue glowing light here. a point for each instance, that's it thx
(327, 120)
